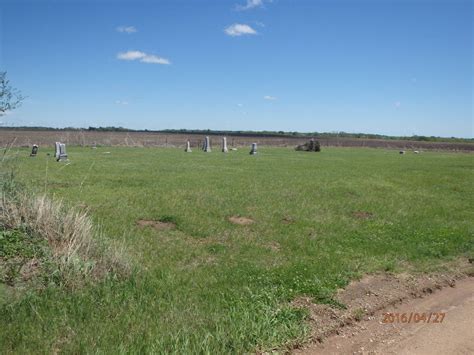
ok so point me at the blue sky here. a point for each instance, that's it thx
(380, 66)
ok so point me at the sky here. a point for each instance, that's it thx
(396, 67)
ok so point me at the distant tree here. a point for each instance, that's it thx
(10, 98)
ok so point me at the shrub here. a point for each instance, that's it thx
(311, 146)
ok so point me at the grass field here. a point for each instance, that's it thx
(211, 286)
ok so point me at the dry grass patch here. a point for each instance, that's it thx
(72, 238)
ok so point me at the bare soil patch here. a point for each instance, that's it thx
(158, 225)
(372, 336)
(366, 301)
(243, 221)
(362, 214)
(288, 220)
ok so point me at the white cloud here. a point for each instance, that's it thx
(238, 29)
(153, 59)
(268, 97)
(240, 105)
(142, 57)
(251, 4)
(126, 29)
(120, 102)
(397, 104)
(131, 55)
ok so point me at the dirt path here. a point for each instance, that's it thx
(455, 335)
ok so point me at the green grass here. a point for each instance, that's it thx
(208, 286)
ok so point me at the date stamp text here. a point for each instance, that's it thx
(414, 317)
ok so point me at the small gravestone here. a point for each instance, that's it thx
(207, 145)
(253, 150)
(224, 145)
(34, 150)
(188, 147)
(60, 151)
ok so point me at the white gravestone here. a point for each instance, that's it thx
(253, 151)
(224, 145)
(56, 150)
(188, 147)
(207, 145)
(60, 151)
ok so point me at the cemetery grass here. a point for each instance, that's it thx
(206, 285)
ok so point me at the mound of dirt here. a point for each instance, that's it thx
(362, 214)
(158, 225)
(288, 220)
(243, 221)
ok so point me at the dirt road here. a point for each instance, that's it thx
(454, 335)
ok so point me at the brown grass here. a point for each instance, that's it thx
(71, 235)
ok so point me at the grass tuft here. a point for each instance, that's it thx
(29, 223)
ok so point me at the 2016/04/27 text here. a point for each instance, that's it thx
(413, 317)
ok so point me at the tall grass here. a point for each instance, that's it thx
(70, 233)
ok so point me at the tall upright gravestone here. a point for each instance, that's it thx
(224, 145)
(188, 147)
(253, 150)
(207, 145)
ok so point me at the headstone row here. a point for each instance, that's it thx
(206, 146)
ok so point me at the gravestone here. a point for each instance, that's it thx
(34, 150)
(207, 145)
(56, 150)
(188, 147)
(253, 150)
(224, 145)
(60, 151)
